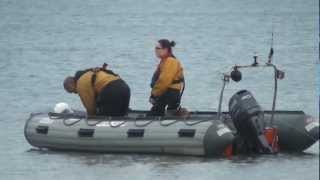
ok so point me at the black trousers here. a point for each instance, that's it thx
(171, 98)
(114, 99)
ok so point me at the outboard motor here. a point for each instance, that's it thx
(247, 117)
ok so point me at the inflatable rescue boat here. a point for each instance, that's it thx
(197, 133)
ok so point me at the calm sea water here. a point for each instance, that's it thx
(42, 41)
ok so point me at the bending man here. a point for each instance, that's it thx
(101, 91)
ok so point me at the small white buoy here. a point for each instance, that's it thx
(62, 108)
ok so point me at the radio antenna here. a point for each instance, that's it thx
(271, 46)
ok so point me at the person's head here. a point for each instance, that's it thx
(69, 85)
(164, 48)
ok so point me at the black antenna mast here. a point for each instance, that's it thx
(271, 46)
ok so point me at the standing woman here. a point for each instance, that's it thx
(167, 82)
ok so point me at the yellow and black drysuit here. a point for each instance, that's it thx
(103, 92)
(167, 86)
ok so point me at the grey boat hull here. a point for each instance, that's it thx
(201, 134)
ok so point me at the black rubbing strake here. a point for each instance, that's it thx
(135, 132)
(42, 129)
(85, 132)
(187, 132)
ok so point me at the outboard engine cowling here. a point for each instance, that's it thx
(247, 116)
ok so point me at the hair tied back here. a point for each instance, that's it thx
(172, 43)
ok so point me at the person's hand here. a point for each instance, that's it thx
(153, 100)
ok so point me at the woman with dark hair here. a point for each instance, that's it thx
(167, 82)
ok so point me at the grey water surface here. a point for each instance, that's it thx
(42, 41)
